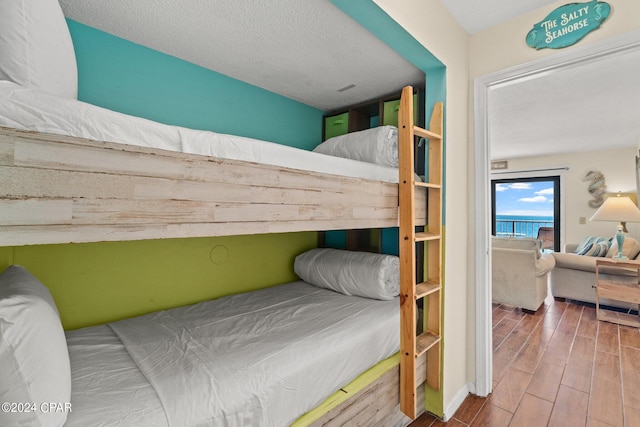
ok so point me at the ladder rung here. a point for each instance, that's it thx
(423, 133)
(421, 237)
(426, 288)
(425, 341)
(426, 184)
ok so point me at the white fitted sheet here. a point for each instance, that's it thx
(262, 358)
(31, 109)
(107, 388)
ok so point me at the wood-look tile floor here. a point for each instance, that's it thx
(559, 367)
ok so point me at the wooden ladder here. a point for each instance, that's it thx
(427, 288)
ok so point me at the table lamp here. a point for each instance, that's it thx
(619, 209)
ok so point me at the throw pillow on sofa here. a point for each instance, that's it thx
(630, 248)
(598, 249)
(593, 246)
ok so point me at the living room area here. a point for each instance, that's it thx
(554, 363)
(557, 364)
(571, 266)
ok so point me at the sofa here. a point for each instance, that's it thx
(574, 275)
(519, 272)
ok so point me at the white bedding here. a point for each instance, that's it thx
(262, 358)
(32, 109)
(107, 388)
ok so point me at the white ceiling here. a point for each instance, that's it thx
(315, 50)
(476, 16)
(305, 50)
(593, 106)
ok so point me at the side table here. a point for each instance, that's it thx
(628, 291)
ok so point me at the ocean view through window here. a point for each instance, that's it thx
(521, 226)
(527, 207)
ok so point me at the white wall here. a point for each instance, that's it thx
(618, 168)
(504, 45)
(432, 25)
(467, 57)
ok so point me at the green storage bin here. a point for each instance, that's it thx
(336, 125)
(391, 108)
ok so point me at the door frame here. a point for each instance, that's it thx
(482, 206)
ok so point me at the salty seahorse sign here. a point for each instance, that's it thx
(597, 188)
(568, 24)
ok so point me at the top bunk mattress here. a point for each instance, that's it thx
(262, 358)
(34, 110)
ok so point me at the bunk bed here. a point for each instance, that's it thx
(73, 172)
(258, 358)
(62, 188)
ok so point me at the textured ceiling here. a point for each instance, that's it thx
(305, 50)
(593, 106)
(476, 16)
(309, 50)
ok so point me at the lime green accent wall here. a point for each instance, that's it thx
(6, 257)
(95, 283)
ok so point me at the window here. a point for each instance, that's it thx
(527, 207)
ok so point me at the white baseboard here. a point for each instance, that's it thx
(457, 400)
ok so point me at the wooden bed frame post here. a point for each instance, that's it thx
(413, 345)
(406, 193)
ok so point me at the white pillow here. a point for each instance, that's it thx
(630, 248)
(377, 145)
(36, 50)
(34, 360)
(361, 274)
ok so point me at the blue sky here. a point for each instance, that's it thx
(525, 198)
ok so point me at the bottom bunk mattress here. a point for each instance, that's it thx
(262, 358)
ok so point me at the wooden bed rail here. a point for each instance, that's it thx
(61, 189)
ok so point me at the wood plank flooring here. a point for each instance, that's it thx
(558, 367)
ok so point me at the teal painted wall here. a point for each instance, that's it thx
(129, 78)
(99, 282)
(376, 21)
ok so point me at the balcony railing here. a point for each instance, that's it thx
(520, 227)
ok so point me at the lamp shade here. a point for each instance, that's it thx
(619, 209)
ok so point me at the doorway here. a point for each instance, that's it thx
(482, 206)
